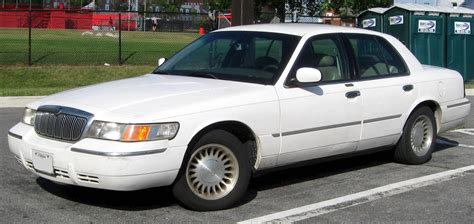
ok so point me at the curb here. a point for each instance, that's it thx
(469, 92)
(21, 101)
(17, 101)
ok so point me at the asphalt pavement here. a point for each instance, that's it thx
(25, 198)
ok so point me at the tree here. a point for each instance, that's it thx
(278, 5)
(218, 5)
(166, 5)
(354, 7)
(316, 7)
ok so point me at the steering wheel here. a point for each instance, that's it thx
(267, 64)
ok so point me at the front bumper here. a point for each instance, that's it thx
(123, 166)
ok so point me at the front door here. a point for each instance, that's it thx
(322, 119)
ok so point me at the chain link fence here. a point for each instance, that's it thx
(40, 37)
(85, 37)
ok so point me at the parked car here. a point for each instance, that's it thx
(238, 101)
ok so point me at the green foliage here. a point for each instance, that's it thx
(346, 7)
(316, 7)
(166, 5)
(121, 8)
(218, 5)
(279, 5)
(469, 84)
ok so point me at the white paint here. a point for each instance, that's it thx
(467, 131)
(439, 141)
(351, 200)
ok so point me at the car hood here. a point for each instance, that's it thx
(157, 97)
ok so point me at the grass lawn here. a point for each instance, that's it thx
(82, 47)
(45, 80)
(469, 85)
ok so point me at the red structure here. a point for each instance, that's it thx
(61, 19)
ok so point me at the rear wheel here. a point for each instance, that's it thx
(216, 173)
(418, 138)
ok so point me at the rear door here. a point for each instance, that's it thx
(386, 89)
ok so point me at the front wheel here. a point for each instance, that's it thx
(418, 138)
(215, 174)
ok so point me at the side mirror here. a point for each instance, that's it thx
(161, 61)
(308, 75)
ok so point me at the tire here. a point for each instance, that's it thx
(215, 173)
(418, 138)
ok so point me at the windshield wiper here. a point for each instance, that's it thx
(202, 75)
(161, 73)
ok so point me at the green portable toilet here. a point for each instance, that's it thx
(372, 19)
(396, 23)
(421, 28)
(460, 42)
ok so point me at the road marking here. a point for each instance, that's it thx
(443, 142)
(316, 209)
(467, 131)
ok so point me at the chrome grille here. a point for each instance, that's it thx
(61, 123)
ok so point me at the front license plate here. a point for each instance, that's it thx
(43, 162)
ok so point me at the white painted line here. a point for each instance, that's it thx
(467, 131)
(443, 142)
(312, 210)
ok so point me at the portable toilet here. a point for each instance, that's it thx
(421, 28)
(460, 41)
(372, 19)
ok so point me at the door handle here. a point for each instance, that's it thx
(408, 88)
(352, 94)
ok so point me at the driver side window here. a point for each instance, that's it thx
(324, 54)
(210, 55)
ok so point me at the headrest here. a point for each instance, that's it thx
(327, 61)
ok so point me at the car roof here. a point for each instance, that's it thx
(298, 29)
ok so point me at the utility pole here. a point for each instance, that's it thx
(242, 12)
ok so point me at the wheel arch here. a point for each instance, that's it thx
(237, 128)
(434, 106)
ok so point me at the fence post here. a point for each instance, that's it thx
(29, 37)
(120, 38)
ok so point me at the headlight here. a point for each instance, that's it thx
(29, 116)
(132, 132)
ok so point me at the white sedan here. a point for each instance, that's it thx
(241, 100)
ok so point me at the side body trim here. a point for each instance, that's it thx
(117, 154)
(382, 118)
(459, 104)
(334, 126)
(15, 135)
(319, 128)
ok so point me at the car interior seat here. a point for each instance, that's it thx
(327, 66)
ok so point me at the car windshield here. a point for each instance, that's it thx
(256, 57)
